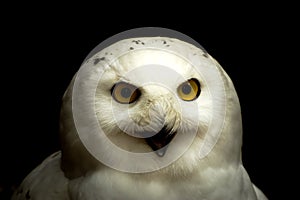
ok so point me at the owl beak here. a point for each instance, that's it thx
(160, 141)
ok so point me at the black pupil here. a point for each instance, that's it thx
(126, 92)
(186, 89)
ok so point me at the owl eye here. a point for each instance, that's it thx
(125, 93)
(189, 90)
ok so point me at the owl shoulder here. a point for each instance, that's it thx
(47, 181)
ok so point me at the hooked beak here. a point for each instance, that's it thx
(159, 142)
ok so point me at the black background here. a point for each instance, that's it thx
(45, 47)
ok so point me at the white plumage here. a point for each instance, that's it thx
(206, 166)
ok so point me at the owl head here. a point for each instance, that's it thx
(148, 103)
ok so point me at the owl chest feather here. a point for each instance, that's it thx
(110, 184)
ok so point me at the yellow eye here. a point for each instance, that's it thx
(189, 90)
(125, 93)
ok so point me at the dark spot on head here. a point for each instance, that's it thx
(164, 42)
(131, 48)
(205, 55)
(137, 41)
(143, 43)
(97, 60)
(167, 45)
(106, 53)
(110, 54)
(27, 195)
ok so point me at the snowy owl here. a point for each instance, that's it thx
(149, 115)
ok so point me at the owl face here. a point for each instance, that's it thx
(149, 97)
(151, 102)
